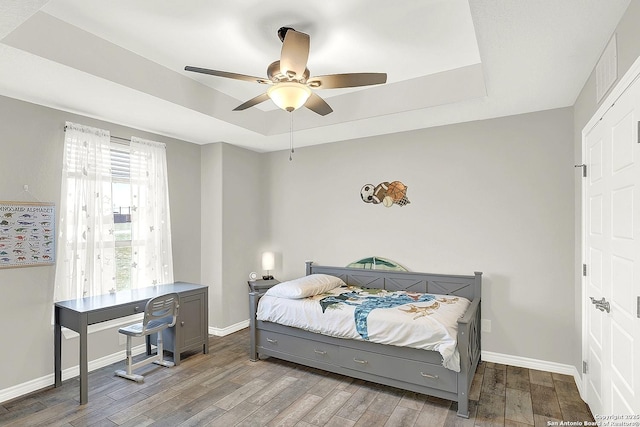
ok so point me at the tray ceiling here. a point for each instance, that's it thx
(447, 61)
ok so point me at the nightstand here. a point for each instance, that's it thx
(261, 285)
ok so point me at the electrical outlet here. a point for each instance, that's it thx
(485, 325)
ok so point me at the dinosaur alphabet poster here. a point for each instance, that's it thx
(27, 234)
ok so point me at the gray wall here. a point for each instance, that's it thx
(234, 227)
(628, 44)
(211, 227)
(31, 142)
(244, 228)
(493, 196)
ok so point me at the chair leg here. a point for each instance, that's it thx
(129, 355)
(129, 362)
(160, 361)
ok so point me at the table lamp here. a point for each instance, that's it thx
(268, 264)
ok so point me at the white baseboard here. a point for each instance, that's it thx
(221, 332)
(74, 371)
(540, 365)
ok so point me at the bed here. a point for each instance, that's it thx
(412, 369)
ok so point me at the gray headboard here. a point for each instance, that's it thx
(444, 284)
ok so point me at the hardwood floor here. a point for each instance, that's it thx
(225, 389)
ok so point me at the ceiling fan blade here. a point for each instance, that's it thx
(318, 105)
(227, 75)
(253, 101)
(295, 53)
(336, 81)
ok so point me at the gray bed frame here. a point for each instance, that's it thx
(410, 369)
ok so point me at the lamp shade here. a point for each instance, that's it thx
(268, 261)
(289, 95)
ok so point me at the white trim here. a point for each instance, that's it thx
(48, 380)
(102, 326)
(221, 332)
(584, 338)
(540, 365)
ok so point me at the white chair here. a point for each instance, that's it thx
(160, 313)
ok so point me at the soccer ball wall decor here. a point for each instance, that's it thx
(385, 193)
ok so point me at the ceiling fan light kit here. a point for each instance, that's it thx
(289, 95)
(289, 77)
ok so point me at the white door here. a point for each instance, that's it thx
(612, 256)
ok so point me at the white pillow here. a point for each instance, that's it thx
(305, 286)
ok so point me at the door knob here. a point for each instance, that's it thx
(601, 304)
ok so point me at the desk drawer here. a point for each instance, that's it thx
(308, 349)
(411, 371)
(110, 313)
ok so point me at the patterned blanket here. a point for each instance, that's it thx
(399, 318)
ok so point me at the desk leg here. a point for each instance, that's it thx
(177, 338)
(57, 348)
(84, 362)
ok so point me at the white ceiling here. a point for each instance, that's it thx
(447, 61)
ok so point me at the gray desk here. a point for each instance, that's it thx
(190, 331)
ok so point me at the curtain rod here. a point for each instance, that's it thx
(112, 136)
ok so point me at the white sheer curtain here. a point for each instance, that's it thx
(86, 245)
(152, 260)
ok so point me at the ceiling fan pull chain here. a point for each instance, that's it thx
(291, 135)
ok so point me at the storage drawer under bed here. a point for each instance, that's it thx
(314, 350)
(407, 370)
(410, 371)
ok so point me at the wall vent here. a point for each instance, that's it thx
(607, 69)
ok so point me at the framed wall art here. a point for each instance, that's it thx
(27, 234)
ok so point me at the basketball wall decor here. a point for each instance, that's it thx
(385, 193)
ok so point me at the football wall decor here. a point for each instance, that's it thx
(385, 193)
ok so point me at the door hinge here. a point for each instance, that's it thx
(585, 367)
(584, 270)
(584, 169)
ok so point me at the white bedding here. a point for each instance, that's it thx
(400, 318)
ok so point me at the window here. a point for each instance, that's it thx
(114, 215)
(121, 199)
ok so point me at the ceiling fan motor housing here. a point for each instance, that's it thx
(282, 31)
(275, 75)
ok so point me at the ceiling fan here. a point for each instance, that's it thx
(290, 84)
